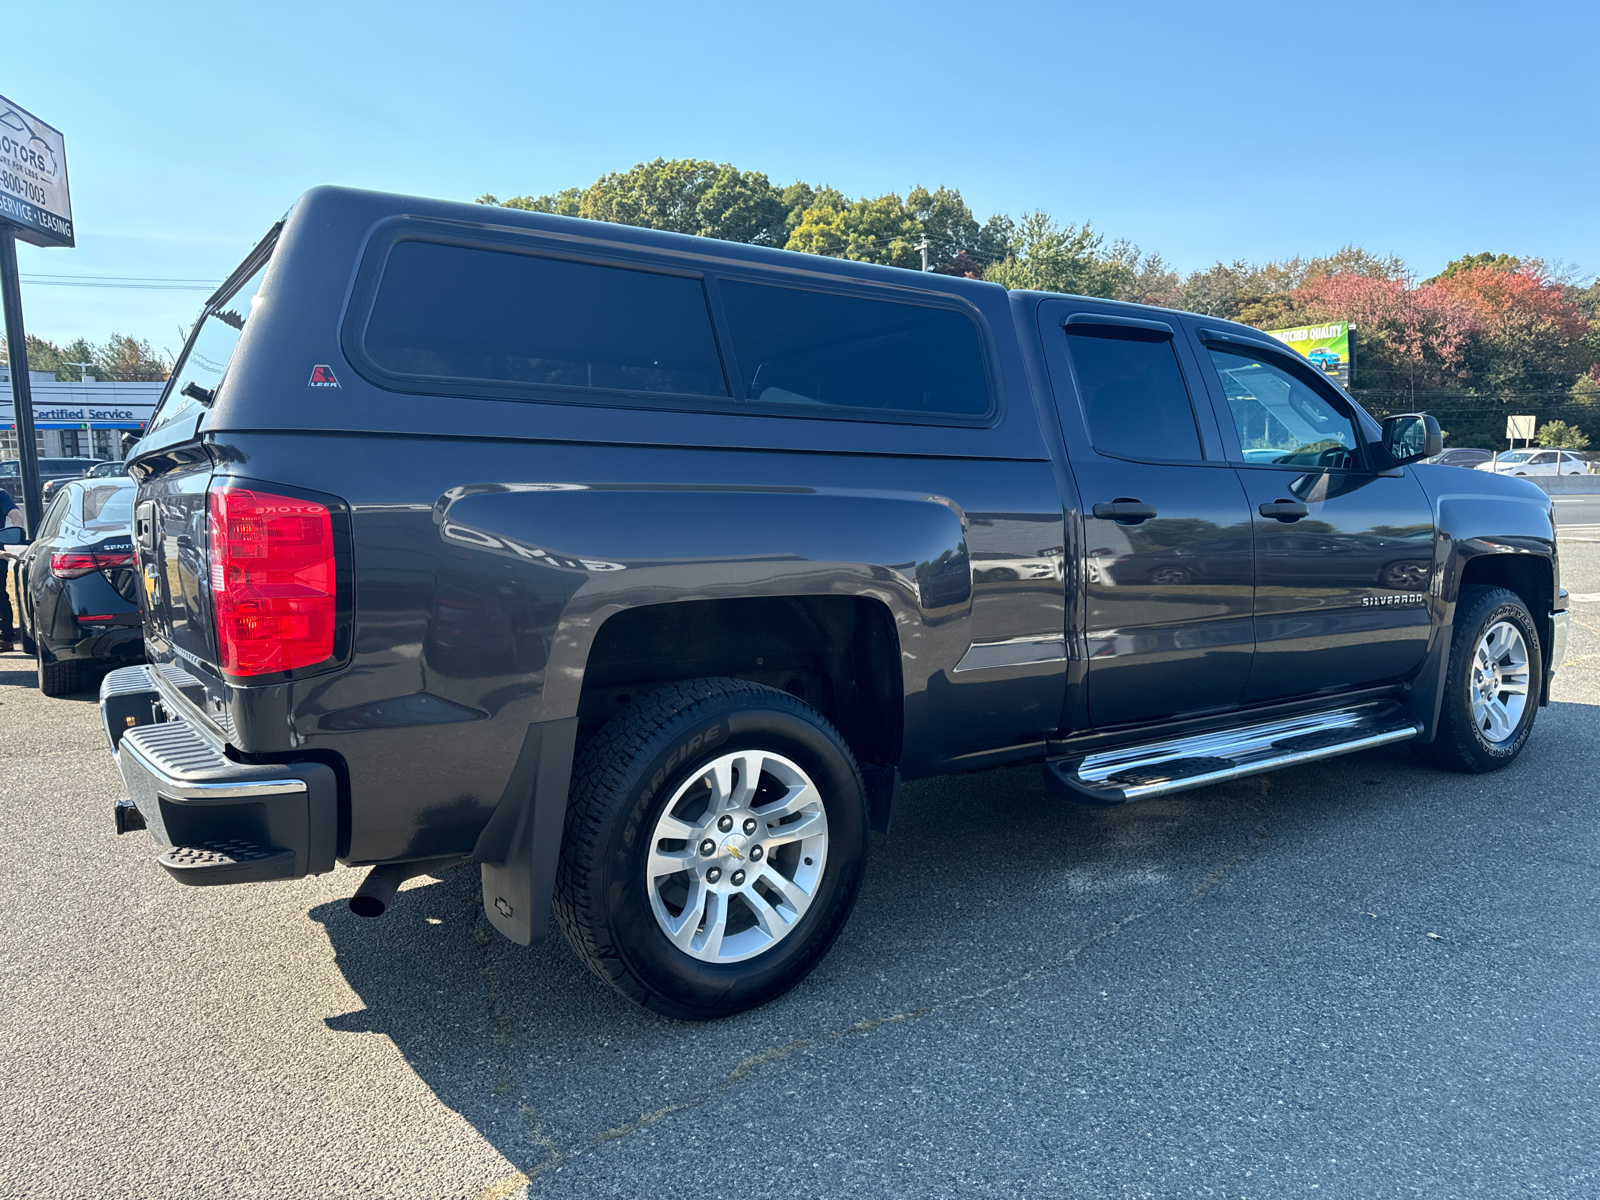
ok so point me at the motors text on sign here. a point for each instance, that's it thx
(33, 178)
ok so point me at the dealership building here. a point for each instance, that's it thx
(78, 420)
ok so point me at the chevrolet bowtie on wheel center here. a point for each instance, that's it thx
(442, 563)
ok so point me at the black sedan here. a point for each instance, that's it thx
(78, 587)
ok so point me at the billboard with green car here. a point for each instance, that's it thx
(1331, 348)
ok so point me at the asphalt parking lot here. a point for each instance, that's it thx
(1361, 978)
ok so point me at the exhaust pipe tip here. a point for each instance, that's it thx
(367, 906)
(376, 893)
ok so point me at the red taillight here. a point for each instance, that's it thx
(74, 564)
(272, 581)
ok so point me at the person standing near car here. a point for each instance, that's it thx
(10, 514)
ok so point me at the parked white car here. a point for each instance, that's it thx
(1536, 462)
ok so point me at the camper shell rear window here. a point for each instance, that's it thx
(509, 322)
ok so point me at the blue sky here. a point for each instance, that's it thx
(1249, 131)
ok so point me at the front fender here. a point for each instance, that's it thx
(1478, 513)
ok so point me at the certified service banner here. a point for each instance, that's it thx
(33, 178)
(1330, 348)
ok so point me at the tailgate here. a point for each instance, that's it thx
(171, 531)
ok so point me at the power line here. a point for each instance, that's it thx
(135, 282)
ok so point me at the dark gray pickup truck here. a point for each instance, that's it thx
(640, 570)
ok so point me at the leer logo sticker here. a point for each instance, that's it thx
(322, 376)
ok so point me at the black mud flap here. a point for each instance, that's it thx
(520, 847)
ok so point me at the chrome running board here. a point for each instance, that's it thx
(1161, 768)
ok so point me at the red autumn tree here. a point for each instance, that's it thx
(1531, 336)
(1410, 338)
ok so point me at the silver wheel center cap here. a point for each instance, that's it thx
(733, 846)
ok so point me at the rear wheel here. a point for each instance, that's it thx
(57, 678)
(715, 841)
(1491, 685)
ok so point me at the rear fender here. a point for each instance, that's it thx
(594, 550)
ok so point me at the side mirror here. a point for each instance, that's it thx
(12, 535)
(1412, 436)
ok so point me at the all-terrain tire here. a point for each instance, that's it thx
(1460, 744)
(623, 779)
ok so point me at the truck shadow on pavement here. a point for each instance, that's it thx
(984, 885)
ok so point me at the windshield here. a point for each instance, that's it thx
(199, 374)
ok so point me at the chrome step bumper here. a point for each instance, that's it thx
(218, 820)
(1176, 765)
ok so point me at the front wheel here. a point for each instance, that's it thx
(1491, 684)
(716, 837)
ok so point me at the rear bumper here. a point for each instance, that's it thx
(243, 822)
(124, 642)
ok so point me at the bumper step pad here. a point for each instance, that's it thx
(232, 861)
(1178, 764)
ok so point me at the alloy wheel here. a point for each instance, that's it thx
(1500, 682)
(736, 856)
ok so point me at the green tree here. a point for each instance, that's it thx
(1558, 435)
(122, 358)
(1223, 290)
(45, 355)
(953, 232)
(565, 203)
(881, 230)
(1472, 262)
(719, 200)
(1049, 257)
(130, 360)
(1138, 277)
(799, 198)
(682, 195)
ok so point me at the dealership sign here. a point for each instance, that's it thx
(48, 415)
(33, 178)
(1331, 348)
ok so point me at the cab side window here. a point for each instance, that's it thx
(1281, 420)
(1133, 393)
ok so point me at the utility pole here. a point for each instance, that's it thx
(21, 389)
(923, 246)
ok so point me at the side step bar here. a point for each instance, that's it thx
(1161, 768)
